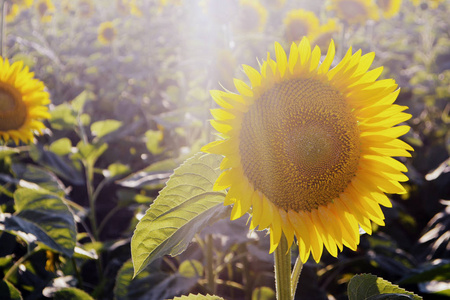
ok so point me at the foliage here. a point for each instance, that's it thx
(125, 115)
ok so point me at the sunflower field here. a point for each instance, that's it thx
(225, 149)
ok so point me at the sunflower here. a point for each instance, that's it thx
(12, 11)
(389, 8)
(45, 9)
(325, 33)
(299, 23)
(86, 8)
(106, 33)
(252, 16)
(310, 149)
(24, 3)
(432, 3)
(354, 11)
(22, 103)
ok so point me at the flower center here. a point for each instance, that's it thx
(296, 30)
(108, 34)
(384, 4)
(299, 144)
(13, 111)
(42, 8)
(352, 10)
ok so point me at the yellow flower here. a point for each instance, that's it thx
(12, 11)
(106, 33)
(354, 11)
(45, 9)
(310, 149)
(252, 16)
(22, 103)
(86, 8)
(24, 3)
(129, 7)
(432, 3)
(299, 23)
(389, 8)
(325, 33)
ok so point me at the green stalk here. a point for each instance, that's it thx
(209, 263)
(20, 261)
(282, 258)
(296, 275)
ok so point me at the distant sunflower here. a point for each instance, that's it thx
(86, 8)
(299, 23)
(24, 3)
(45, 10)
(252, 16)
(432, 3)
(354, 11)
(22, 103)
(309, 149)
(106, 33)
(325, 33)
(389, 8)
(12, 11)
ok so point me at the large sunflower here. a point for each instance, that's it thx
(389, 8)
(299, 23)
(309, 149)
(354, 11)
(22, 103)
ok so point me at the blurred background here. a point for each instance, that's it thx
(144, 68)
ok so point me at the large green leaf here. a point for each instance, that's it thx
(45, 216)
(183, 208)
(8, 291)
(40, 176)
(368, 286)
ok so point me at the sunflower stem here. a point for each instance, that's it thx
(282, 257)
(209, 263)
(298, 267)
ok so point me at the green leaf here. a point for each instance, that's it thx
(6, 151)
(61, 166)
(435, 270)
(154, 137)
(368, 286)
(45, 216)
(63, 117)
(116, 169)
(198, 297)
(102, 128)
(71, 294)
(80, 100)
(40, 176)
(61, 147)
(191, 268)
(263, 293)
(90, 152)
(183, 208)
(9, 292)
